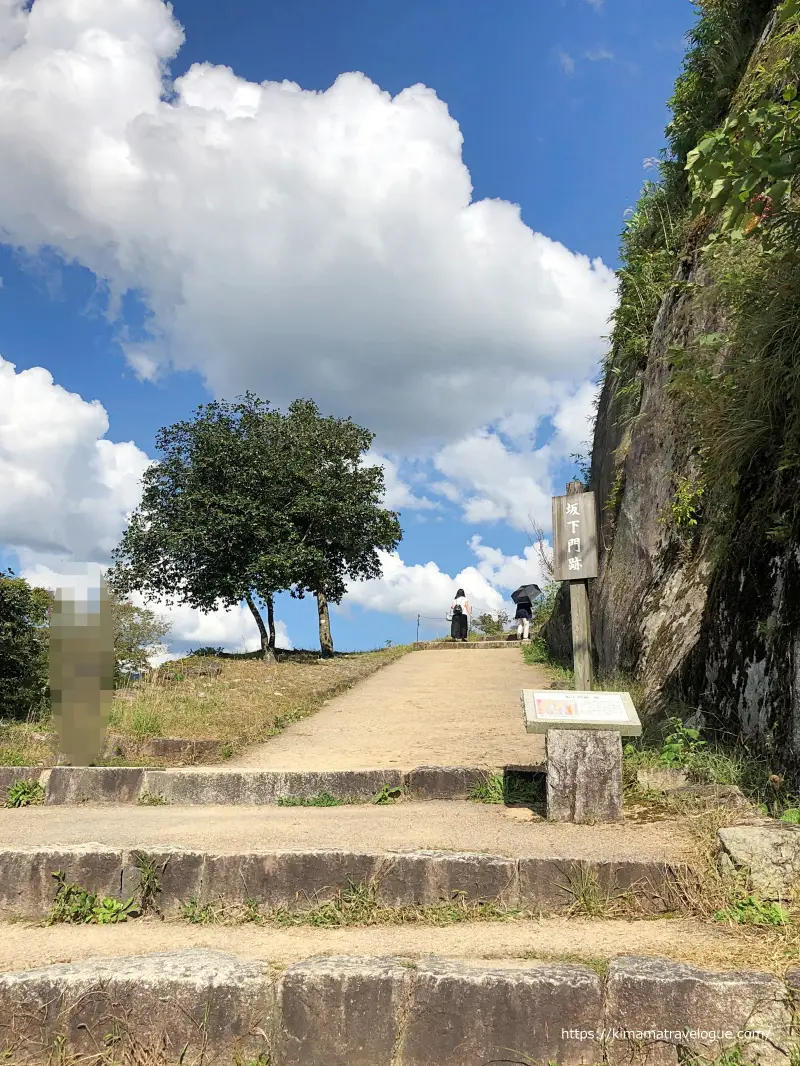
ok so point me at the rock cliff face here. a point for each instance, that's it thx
(711, 623)
(720, 635)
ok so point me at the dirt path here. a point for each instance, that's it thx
(437, 825)
(513, 943)
(446, 708)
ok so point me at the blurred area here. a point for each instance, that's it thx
(81, 665)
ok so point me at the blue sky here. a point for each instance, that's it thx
(162, 250)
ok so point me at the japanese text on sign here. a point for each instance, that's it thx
(574, 537)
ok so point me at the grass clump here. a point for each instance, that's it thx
(387, 794)
(323, 799)
(152, 799)
(24, 794)
(356, 905)
(509, 788)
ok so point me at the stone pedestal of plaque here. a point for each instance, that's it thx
(584, 775)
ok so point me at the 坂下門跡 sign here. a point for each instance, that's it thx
(574, 537)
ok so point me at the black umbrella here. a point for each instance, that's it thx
(526, 594)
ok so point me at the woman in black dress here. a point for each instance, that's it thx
(461, 612)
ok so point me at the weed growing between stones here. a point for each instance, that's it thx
(356, 905)
(24, 794)
(76, 905)
(508, 788)
(323, 799)
(150, 875)
(152, 799)
(591, 900)
(387, 794)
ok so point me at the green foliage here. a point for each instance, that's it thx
(687, 502)
(74, 904)
(491, 625)
(720, 46)
(545, 605)
(660, 226)
(138, 633)
(508, 788)
(682, 746)
(753, 911)
(791, 816)
(24, 648)
(199, 913)
(649, 247)
(246, 501)
(744, 170)
(387, 794)
(323, 799)
(10, 757)
(24, 794)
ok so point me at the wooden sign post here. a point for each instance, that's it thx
(575, 561)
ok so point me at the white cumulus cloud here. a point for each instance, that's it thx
(286, 241)
(66, 488)
(508, 571)
(409, 590)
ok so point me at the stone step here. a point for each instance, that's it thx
(483, 645)
(437, 825)
(73, 785)
(351, 1011)
(298, 881)
(29, 944)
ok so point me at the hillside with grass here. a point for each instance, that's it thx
(696, 450)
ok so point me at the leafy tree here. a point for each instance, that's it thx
(246, 502)
(335, 508)
(24, 613)
(137, 634)
(211, 528)
(492, 625)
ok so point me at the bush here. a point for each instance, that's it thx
(24, 651)
(491, 625)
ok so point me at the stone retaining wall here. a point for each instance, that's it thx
(345, 1011)
(123, 784)
(506, 642)
(300, 879)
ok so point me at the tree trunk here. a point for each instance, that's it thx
(325, 638)
(271, 620)
(266, 652)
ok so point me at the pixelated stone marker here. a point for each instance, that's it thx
(81, 667)
(583, 732)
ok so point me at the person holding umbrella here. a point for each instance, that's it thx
(524, 597)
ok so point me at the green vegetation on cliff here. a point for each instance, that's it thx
(727, 188)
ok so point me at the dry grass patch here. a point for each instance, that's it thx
(237, 700)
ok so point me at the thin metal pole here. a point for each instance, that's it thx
(417, 629)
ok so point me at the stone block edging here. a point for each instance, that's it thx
(351, 1011)
(74, 785)
(299, 880)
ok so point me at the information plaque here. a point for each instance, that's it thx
(554, 709)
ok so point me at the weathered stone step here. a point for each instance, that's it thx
(433, 826)
(444, 645)
(73, 785)
(28, 944)
(382, 1012)
(300, 880)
